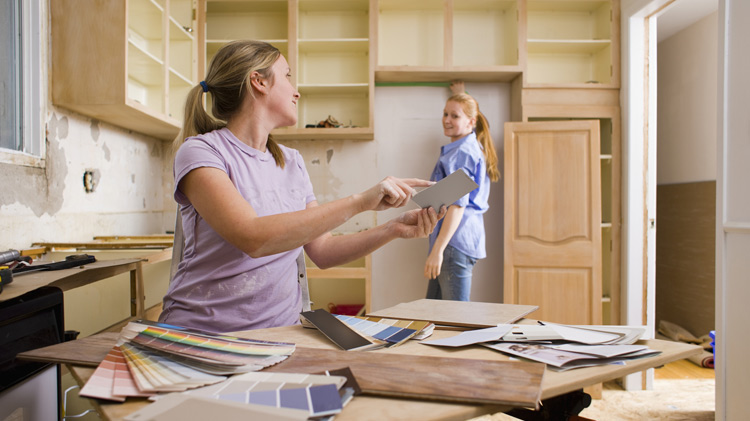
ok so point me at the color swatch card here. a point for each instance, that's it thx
(102, 382)
(394, 332)
(316, 394)
(154, 373)
(213, 354)
(180, 407)
(339, 332)
(112, 379)
(446, 191)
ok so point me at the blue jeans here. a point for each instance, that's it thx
(454, 281)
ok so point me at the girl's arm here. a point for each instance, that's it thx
(329, 250)
(217, 201)
(449, 227)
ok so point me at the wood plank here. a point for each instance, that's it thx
(87, 352)
(450, 379)
(108, 245)
(164, 237)
(457, 313)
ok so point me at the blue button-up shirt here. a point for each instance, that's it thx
(466, 154)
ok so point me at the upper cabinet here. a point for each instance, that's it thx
(572, 43)
(131, 62)
(128, 63)
(439, 40)
(327, 44)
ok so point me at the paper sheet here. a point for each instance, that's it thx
(472, 337)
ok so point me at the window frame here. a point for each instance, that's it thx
(33, 89)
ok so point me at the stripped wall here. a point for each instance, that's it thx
(130, 192)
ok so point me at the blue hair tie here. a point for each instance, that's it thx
(204, 85)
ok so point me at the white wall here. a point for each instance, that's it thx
(686, 130)
(408, 132)
(733, 213)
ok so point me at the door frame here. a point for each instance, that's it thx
(638, 101)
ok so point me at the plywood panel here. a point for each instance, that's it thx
(561, 294)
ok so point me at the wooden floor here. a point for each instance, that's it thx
(683, 369)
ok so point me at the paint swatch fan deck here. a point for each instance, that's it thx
(152, 357)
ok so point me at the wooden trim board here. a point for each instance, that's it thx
(448, 379)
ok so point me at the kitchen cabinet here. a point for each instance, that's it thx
(129, 62)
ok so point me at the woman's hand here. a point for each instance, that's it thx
(433, 264)
(392, 192)
(416, 223)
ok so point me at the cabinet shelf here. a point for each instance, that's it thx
(352, 133)
(144, 66)
(333, 89)
(566, 46)
(431, 74)
(334, 45)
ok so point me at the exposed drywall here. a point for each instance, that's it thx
(408, 133)
(52, 203)
(339, 168)
(686, 111)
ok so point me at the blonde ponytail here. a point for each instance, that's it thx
(482, 128)
(226, 85)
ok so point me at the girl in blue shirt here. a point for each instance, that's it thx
(459, 240)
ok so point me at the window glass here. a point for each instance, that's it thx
(10, 83)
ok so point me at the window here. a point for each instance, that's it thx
(21, 90)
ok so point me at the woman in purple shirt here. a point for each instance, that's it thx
(459, 239)
(247, 205)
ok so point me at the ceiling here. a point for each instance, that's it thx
(681, 14)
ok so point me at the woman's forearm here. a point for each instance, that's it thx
(450, 225)
(334, 250)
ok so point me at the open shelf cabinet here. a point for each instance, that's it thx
(150, 65)
(327, 44)
(573, 43)
(439, 40)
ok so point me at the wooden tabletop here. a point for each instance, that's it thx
(94, 349)
(67, 279)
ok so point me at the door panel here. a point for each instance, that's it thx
(553, 219)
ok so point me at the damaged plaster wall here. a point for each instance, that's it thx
(124, 171)
(339, 168)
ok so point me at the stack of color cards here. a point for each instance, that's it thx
(353, 333)
(152, 357)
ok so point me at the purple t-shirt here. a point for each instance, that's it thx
(217, 287)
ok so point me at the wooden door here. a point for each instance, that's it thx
(553, 220)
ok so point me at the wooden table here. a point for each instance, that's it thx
(378, 408)
(67, 279)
